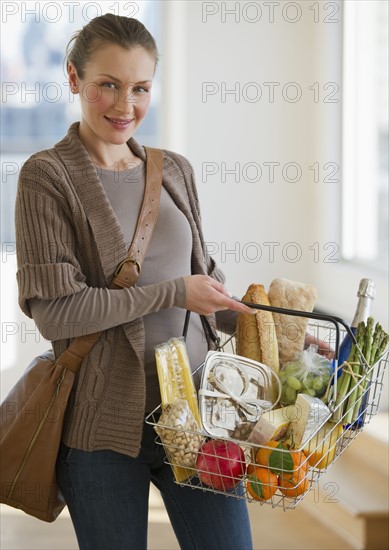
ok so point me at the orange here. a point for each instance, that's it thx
(294, 486)
(300, 465)
(261, 483)
(250, 468)
(262, 456)
(280, 459)
(295, 483)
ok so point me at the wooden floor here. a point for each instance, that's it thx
(272, 529)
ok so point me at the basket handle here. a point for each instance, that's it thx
(208, 330)
(336, 321)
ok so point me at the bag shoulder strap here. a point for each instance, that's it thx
(128, 271)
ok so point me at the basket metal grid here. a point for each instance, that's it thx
(295, 475)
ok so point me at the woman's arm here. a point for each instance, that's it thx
(96, 309)
(50, 257)
(52, 286)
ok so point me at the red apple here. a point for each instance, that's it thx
(220, 464)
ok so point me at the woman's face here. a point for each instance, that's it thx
(115, 92)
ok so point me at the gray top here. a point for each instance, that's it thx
(168, 257)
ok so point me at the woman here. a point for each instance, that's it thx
(76, 211)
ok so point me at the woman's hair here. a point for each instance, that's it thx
(108, 29)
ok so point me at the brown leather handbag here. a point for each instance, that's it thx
(32, 415)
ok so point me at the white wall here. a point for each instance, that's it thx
(229, 50)
(210, 131)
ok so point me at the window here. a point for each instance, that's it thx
(365, 134)
(37, 109)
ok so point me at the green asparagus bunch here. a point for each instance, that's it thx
(355, 379)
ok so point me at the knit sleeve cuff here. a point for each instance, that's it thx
(47, 282)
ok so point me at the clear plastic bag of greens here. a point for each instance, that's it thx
(309, 373)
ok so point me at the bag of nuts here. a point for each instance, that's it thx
(178, 431)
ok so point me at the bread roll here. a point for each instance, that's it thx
(290, 329)
(255, 334)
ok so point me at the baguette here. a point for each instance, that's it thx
(290, 329)
(255, 334)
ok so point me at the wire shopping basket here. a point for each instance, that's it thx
(273, 474)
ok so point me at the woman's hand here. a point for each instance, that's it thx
(205, 295)
(323, 347)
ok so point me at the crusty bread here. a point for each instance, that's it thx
(290, 329)
(255, 334)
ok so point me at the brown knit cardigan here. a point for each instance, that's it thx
(68, 238)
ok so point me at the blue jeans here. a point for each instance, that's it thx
(107, 496)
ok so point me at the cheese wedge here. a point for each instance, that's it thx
(310, 414)
(272, 425)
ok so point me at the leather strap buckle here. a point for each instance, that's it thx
(121, 265)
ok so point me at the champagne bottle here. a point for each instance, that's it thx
(366, 295)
